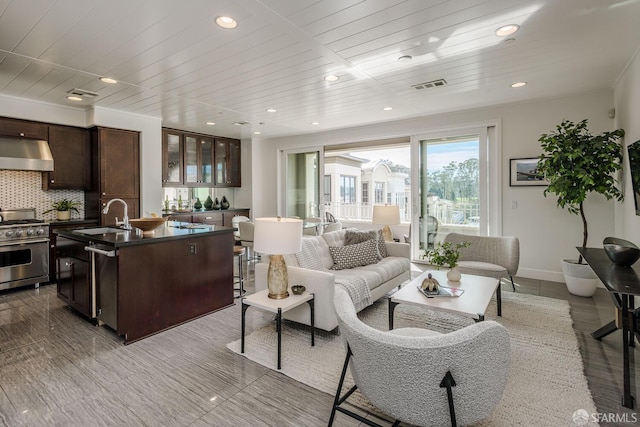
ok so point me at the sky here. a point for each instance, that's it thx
(439, 155)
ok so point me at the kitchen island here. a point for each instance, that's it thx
(141, 284)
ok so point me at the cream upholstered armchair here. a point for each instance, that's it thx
(488, 256)
(423, 377)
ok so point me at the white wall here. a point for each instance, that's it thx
(627, 104)
(547, 234)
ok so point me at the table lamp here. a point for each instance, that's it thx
(386, 215)
(275, 237)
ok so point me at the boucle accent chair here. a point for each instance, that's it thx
(495, 257)
(402, 371)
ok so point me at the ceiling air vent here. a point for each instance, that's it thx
(431, 84)
(241, 123)
(83, 93)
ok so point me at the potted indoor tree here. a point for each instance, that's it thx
(576, 163)
(446, 253)
(63, 209)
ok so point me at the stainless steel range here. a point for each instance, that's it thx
(24, 249)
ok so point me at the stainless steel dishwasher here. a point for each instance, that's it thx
(104, 283)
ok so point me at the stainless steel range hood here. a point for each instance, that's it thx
(25, 154)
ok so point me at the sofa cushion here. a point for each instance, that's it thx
(308, 257)
(334, 238)
(355, 255)
(479, 268)
(359, 236)
(375, 274)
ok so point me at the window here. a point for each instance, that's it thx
(379, 192)
(347, 189)
(365, 193)
(327, 188)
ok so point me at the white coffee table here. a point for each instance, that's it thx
(473, 302)
(261, 301)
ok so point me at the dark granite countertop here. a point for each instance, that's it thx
(173, 230)
(196, 211)
(72, 221)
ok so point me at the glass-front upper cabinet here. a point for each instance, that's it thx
(227, 162)
(172, 159)
(198, 155)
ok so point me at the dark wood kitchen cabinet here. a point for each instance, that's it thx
(115, 158)
(227, 163)
(23, 128)
(73, 275)
(70, 148)
(197, 160)
(53, 242)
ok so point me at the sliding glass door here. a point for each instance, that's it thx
(302, 184)
(453, 192)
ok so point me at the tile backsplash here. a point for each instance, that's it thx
(23, 189)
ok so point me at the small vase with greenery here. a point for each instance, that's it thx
(63, 208)
(446, 253)
(576, 163)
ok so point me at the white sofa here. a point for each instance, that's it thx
(380, 277)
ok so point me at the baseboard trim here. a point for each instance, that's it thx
(552, 276)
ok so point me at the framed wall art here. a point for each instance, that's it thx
(524, 172)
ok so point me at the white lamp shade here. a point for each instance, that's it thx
(277, 236)
(386, 214)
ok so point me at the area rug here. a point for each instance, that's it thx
(546, 382)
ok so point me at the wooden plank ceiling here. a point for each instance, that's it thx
(172, 61)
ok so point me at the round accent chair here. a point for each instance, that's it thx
(423, 377)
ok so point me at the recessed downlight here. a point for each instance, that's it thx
(108, 80)
(211, 123)
(518, 84)
(507, 30)
(74, 98)
(387, 108)
(226, 22)
(315, 123)
(331, 78)
(271, 110)
(257, 132)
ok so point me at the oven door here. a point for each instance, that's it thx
(24, 262)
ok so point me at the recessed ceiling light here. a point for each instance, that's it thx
(331, 78)
(271, 110)
(387, 108)
(506, 30)
(405, 58)
(519, 84)
(315, 123)
(256, 133)
(74, 98)
(226, 22)
(108, 80)
(211, 123)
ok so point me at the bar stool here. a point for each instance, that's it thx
(238, 279)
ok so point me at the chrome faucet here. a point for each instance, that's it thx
(125, 220)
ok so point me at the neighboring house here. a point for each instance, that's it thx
(352, 186)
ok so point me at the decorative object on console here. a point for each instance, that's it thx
(208, 204)
(577, 163)
(216, 205)
(197, 204)
(386, 215)
(224, 204)
(446, 253)
(621, 252)
(277, 236)
(63, 209)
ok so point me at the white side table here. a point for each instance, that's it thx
(261, 301)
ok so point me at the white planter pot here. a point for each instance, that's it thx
(453, 275)
(580, 279)
(63, 215)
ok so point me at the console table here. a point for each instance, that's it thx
(623, 283)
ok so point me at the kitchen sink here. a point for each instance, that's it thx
(100, 230)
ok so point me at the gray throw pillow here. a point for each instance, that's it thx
(356, 255)
(359, 236)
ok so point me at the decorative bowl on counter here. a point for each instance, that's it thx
(621, 252)
(147, 225)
